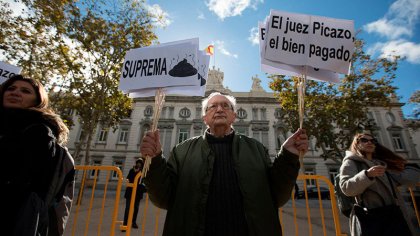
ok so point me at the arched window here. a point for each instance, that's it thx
(148, 111)
(184, 113)
(241, 113)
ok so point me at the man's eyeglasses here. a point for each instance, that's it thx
(365, 140)
(224, 106)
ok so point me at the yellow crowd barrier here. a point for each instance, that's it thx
(98, 209)
(95, 206)
(322, 211)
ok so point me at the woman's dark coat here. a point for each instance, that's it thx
(27, 145)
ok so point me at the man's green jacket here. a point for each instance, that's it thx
(181, 184)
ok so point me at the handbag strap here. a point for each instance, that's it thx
(358, 198)
(392, 186)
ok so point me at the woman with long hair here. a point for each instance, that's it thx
(29, 132)
(371, 173)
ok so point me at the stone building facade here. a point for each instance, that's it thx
(258, 115)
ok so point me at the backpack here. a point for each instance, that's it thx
(344, 202)
(49, 216)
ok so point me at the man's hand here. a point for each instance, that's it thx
(297, 143)
(150, 145)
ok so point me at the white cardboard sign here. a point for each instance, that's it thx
(7, 71)
(273, 67)
(160, 66)
(319, 42)
(196, 90)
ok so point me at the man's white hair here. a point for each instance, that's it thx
(205, 102)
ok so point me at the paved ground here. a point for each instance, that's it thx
(97, 222)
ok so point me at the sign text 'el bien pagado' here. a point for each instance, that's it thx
(320, 42)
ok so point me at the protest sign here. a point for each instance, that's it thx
(273, 67)
(7, 71)
(305, 40)
(202, 76)
(171, 68)
(160, 66)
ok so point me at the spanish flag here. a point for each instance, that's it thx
(210, 50)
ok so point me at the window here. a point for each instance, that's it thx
(163, 112)
(119, 164)
(390, 117)
(371, 118)
(184, 113)
(198, 112)
(310, 171)
(148, 111)
(264, 138)
(241, 113)
(166, 140)
(263, 113)
(398, 143)
(92, 173)
(183, 135)
(198, 128)
(103, 134)
(123, 137)
(254, 113)
(171, 113)
(278, 113)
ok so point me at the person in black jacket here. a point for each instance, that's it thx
(139, 193)
(222, 182)
(29, 130)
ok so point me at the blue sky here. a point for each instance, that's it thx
(388, 26)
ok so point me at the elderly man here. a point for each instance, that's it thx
(222, 183)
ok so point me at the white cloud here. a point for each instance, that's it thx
(201, 16)
(253, 36)
(400, 20)
(397, 26)
(387, 28)
(229, 8)
(408, 50)
(220, 46)
(162, 17)
(406, 10)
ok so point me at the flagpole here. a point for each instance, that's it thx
(214, 57)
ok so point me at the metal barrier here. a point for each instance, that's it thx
(413, 198)
(324, 209)
(81, 213)
(103, 213)
(127, 228)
